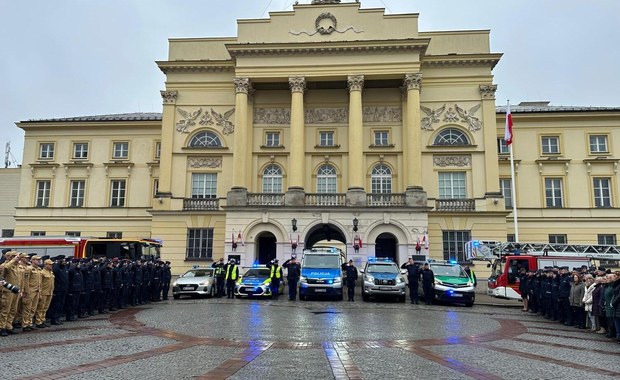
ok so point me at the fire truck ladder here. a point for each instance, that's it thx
(487, 250)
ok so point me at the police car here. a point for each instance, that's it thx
(195, 282)
(382, 278)
(452, 284)
(255, 282)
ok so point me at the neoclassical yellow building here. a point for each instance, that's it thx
(327, 124)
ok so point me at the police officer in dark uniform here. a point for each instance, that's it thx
(106, 286)
(351, 276)
(545, 288)
(428, 283)
(76, 287)
(413, 277)
(531, 279)
(61, 286)
(565, 308)
(87, 281)
(136, 289)
(125, 283)
(117, 283)
(147, 275)
(292, 276)
(220, 277)
(165, 280)
(555, 295)
(96, 294)
(156, 284)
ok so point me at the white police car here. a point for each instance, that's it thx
(195, 282)
(381, 277)
(255, 282)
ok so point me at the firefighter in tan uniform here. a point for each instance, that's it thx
(45, 296)
(16, 312)
(11, 275)
(29, 303)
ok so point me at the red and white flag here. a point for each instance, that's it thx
(417, 244)
(508, 132)
(240, 239)
(425, 241)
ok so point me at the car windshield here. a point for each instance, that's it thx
(321, 261)
(198, 273)
(449, 271)
(382, 268)
(257, 272)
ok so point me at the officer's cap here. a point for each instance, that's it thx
(23, 255)
(564, 267)
(84, 261)
(35, 257)
(75, 260)
(46, 257)
(10, 254)
(59, 257)
(4, 251)
(167, 262)
(276, 260)
(48, 261)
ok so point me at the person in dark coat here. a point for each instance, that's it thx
(96, 294)
(413, 277)
(87, 281)
(220, 277)
(428, 283)
(125, 283)
(117, 284)
(61, 286)
(106, 287)
(293, 274)
(566, 315)
(165, 280)
(75, 288)
(523, 279)
(351, 277)
(156, 284)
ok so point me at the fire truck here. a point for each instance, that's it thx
(507, 258)
(79, 247)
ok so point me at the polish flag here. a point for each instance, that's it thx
(425, 241)
(240, 239)
(508, 132)
(417, 244)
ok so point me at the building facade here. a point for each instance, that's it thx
(328, 124)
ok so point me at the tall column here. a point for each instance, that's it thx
(356, 121)
(242, 133)
(297, 157)
(413, 155)
(487, 93)
(167, 139)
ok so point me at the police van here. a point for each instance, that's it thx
(321, 273)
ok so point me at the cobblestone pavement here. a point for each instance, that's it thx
(265, 339)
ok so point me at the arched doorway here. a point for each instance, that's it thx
(385, 246)
(325, 234)
(266, 243)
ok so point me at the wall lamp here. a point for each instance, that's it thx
(355, 224)
(294, 223)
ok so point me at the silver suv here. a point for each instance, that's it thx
(382, 278)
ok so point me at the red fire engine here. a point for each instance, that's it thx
(506, 259)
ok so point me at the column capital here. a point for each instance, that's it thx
(355, 82)
(242, 85)
(169, 97)
(488, 91)
(412, 82)
(297, 84)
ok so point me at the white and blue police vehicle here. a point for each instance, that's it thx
(256, 282)
(321, 273)
(381, 277)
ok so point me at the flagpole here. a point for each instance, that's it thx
(513, 184)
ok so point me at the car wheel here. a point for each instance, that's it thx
(469, 304)
(302, 298)
(365, 297)
(176, 296)
(212, 293)
(237, 296)
(401, 299)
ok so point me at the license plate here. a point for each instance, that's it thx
(384, 288)
(188, 288)
(320, 290)
(456, 295)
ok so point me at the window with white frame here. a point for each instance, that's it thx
(506, 189)
(118, 188)
(272, 139)
(272, 179)
(326, 138)
(553, 192)
(558, 239)
(502, 148)
(199, 243)
(158, 150)
(606, 239)
(382, 138)
(43, 193)
(80, 151)
(205, 139)
(46, 151)
(155, 187)
(204, 185)
(451, 136)
(550, 144)
(120, 150)
(114, 235)
(602, 192)
(381, 179)
(454, 245)
(452, 185)
(598, 144)
(73, 233)
(326, 179)
(77, 193)
(37, 233)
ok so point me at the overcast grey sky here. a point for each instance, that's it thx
(89, 57)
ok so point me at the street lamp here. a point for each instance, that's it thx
(294, 223)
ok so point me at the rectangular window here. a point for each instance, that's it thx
(77, 194)
(598, 144)
(502, 148)
(117, 193)
(204, 185)
(606, 239)
(158, 150)
(452, 185)
(454, 245)
(46, 151)
(8, 233)
(510, 238)
(73, 233)
(553, 192)
(43, 193)
(326, 138)
(382, 138)
(155, 187)
(114, 235)
(80, 151)
(558, 239)
(272, 139)
(602, 192)
(37, 233)
(550, 145)
(121, 151)
(506, 189)
(199, 243)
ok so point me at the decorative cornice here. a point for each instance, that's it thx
(443, 161)
(242, 85)
(169, 97)
(297, 84)
(355, 82)
(204, 162)
(412, 81)
(195, 66)
(488, 91)
(461, 60)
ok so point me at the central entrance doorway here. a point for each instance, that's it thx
(385, 246)
(266, 242)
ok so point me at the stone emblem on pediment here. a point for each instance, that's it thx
(204, 162)
(221, 120)
(325, 24)
(432, 117)
(451, 116)
(188, 120)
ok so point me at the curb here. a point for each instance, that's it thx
(497, 305)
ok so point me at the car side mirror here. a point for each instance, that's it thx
(361, 271)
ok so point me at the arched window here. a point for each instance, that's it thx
(381, 179)
(272, 179)
(205, 139)
(451, 136)
(326, 179)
